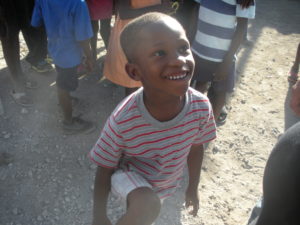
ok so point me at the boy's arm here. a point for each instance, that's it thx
(101, 190)
(194, 162)
(222, 70)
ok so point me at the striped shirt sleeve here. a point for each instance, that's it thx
(248, 13)
(108, 149)
(207, 130)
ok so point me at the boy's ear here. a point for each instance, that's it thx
(133, 71)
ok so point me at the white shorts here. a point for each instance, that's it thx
(123, 182)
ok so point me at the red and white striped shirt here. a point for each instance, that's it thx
(132, 140)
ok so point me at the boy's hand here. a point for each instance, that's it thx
(192, 199)
(194, 162)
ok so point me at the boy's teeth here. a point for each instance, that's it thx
(177, 77)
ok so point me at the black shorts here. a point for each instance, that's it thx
(67, 78)
(204, 72)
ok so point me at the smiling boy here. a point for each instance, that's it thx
(155, 132)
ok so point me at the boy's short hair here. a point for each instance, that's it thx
(129, 38)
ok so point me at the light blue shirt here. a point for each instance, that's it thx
(67, 22)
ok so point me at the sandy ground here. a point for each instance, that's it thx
(46, 178)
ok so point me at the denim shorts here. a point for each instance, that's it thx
(67, 78)
(204, 72)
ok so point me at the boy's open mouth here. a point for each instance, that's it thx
(178, 77)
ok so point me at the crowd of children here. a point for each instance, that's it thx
(161, 127)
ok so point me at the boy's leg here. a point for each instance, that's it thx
(66, 82)
(105, 29)
(95, 26)
(65, 102)
(203, 74)
(219, 92)
(139, 213)
(218, 102)
(135, 190)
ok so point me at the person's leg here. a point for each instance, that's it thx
(139, 213)
(11, 52)
(66, 82)
(105, 29)
(218, 102)
(203, 74)
(95, 26)
(36, 41)
(219, 91)
(65, 102)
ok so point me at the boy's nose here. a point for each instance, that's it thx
(178, 60)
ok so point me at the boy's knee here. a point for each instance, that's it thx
(145, 203)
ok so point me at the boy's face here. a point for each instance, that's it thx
(163, 61)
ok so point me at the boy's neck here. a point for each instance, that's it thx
(164, 108)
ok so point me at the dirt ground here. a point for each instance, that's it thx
(46, 177)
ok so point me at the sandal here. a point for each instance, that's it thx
(42, 67)
(222, 118)
(78, 126)
(21, 98)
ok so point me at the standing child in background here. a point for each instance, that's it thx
(115, 61)
(185, 15)
(220, 31)
(100, 10)
(15, 16)
(156, 131)
(69, 31)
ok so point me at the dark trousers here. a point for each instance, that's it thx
(104, 31)
(35, 39)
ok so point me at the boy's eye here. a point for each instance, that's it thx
(159, 53)
(184, 49)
